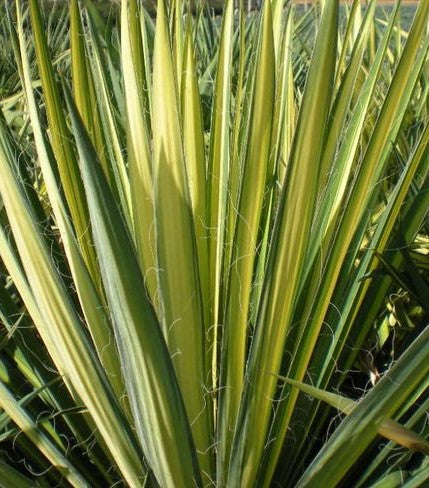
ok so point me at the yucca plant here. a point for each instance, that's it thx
(201, 226)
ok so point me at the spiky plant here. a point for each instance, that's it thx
(199, 230)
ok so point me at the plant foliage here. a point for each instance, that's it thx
(213, 246)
